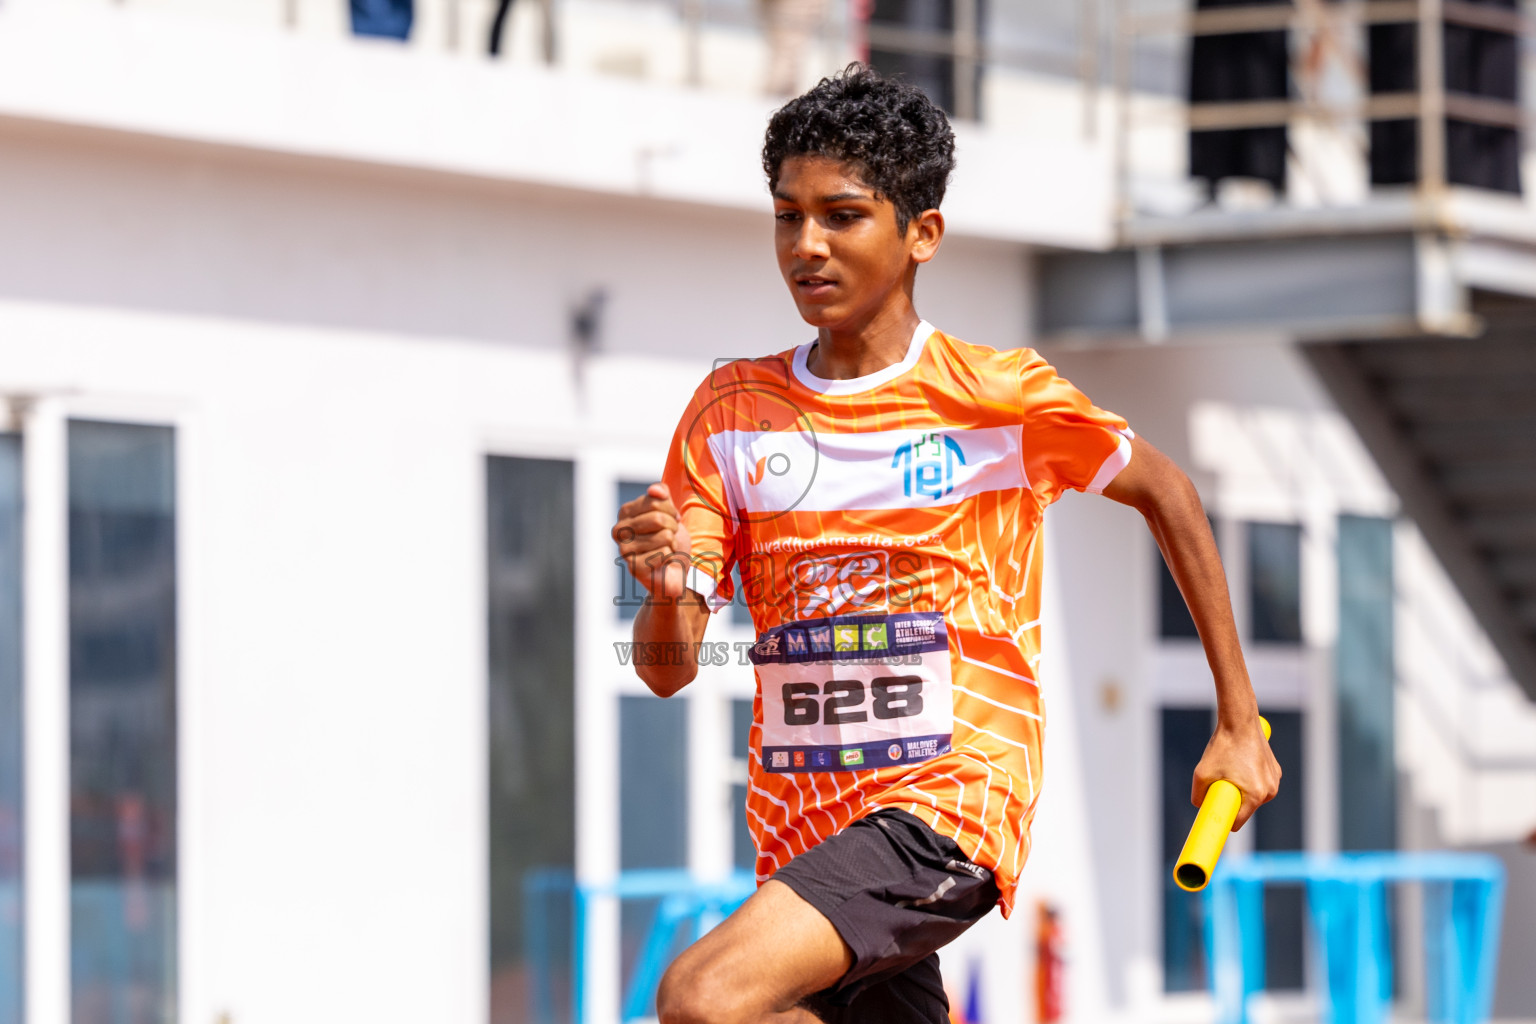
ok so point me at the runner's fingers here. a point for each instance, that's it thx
(1202, 782)
(648, 502)
(1245, 812)
(646, 543)
(652, 521)
(630, 527)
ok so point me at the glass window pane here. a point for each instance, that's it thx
(10, 730)
(934, 71)
(531, 569)
(1274, 582)
(1185, 732)
(653, 806)
(653, 782)
(1366, 676)
(122, 722)
(1279, 826)
(743, 852)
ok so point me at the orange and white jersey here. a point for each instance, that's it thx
(887, 531)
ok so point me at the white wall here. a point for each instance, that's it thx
(155, 73)
(106, 221)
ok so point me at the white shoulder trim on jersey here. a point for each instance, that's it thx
(857, 385)
(1118, 460)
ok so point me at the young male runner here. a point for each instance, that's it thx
(881, 490)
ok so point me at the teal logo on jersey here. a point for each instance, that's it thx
(928, 465)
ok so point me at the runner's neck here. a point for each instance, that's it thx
(883, 342)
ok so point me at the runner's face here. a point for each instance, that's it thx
(838, 245)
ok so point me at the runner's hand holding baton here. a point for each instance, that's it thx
(1218, 812)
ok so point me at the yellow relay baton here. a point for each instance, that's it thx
(1197, 861)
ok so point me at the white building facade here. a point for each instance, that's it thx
(325, 365)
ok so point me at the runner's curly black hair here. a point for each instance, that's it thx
(899, 142)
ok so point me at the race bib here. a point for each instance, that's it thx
(853, 692)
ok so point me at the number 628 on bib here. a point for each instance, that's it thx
(854, 693)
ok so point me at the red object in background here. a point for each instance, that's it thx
(133, 846)
(1530, 840)
(859, 12)
(1050, 965)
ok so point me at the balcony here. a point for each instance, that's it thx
(658, 100)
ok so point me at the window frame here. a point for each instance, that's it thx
(43, 422)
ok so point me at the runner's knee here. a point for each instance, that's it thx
(692, 994)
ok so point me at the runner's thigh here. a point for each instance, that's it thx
(767, 956)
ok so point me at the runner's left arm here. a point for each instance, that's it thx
(1153, 485)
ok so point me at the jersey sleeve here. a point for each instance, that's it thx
(703, 501)
(1067, 442)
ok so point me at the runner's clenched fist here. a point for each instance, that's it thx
(654, 543)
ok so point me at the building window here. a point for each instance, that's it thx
(1279, 826)
(122, 721)
(531, 569)
(743, 852)
(10, 731)
(1274, 582)
(935, 45)
(653, 805)
(1184, 734)
(1366, 674)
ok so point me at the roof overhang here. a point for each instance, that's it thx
(1419, 319)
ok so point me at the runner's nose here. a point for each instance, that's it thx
(811, 241)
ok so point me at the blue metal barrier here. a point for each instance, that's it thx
(1346, 895)
(685, 902)
(541, 888)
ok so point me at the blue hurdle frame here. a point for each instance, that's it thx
(685, 901)
(1346, 896)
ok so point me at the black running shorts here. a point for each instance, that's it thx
(896, 891)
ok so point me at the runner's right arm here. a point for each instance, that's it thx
(670, 624)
